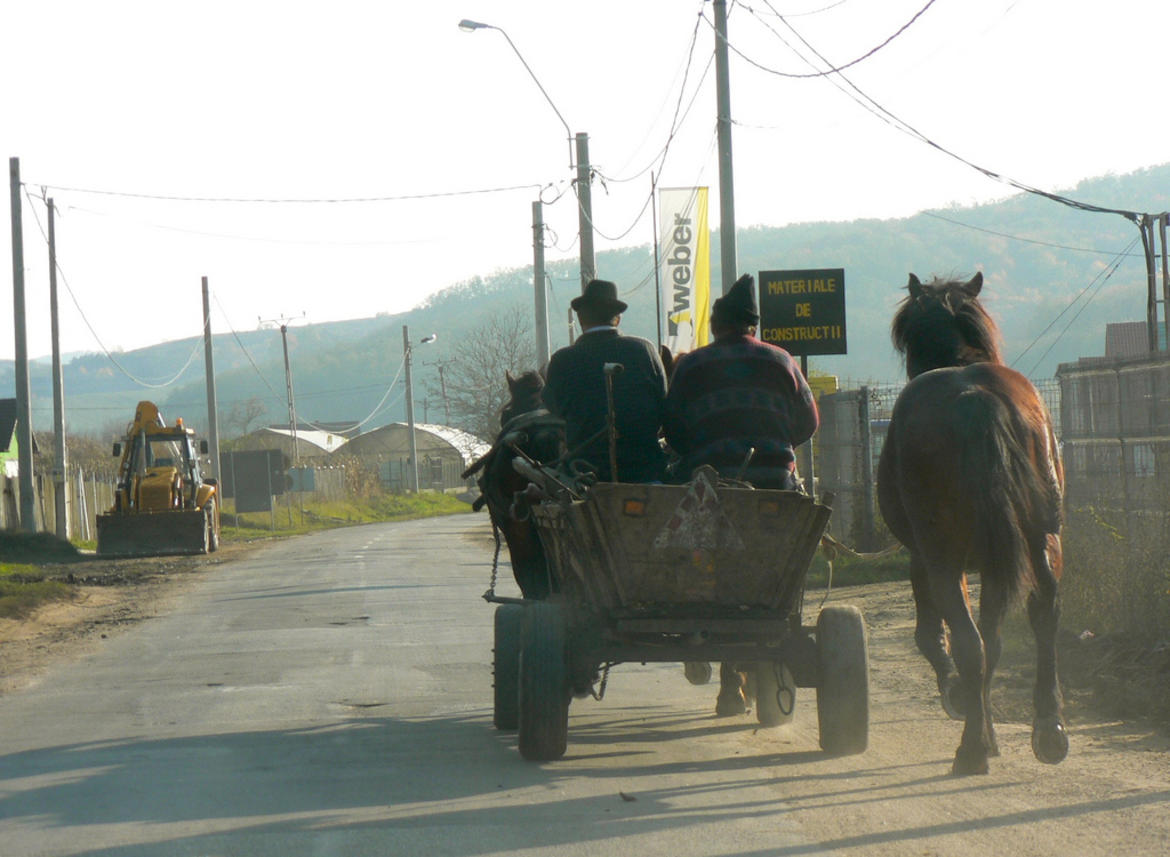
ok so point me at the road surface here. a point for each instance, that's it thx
(331, 695)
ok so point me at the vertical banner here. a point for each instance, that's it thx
(685, 267)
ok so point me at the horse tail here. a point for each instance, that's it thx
(1009, 493)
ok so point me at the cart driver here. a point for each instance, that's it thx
(738, 394)
(575, 390)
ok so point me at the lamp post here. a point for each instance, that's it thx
(584, 197)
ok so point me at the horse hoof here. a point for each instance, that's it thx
(1049, 742)
(950, 692)
(967, 763)
(730, 704)
(697, 672)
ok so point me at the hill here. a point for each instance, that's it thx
(1044, 266)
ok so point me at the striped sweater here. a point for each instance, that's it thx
(735, 394)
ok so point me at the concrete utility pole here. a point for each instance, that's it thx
(585, 210)
(288, 383)
(28, 506)
(209, 374)
(59, 463)
(728, 253)
(406, 355)
(539, 287)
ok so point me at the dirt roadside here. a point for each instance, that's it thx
(109, 597)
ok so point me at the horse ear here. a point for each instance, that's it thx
(974, 285)
(914, 287)
(508, 377)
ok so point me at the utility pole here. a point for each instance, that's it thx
(728, 254)
(28, 506)
(288, 383)
(59, 468)
(538, 285)
(209, 374)
(585, 210)
(406, 355)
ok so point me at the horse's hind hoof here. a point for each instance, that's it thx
(951, 693)
(730, 704)
(1049, 742)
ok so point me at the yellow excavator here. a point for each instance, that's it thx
(163, 504)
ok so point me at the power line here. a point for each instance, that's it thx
(868, 103)
(287, 200)
(835, 69)
(109, 356)
(1021, 238)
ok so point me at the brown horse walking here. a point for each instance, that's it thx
(970, 479)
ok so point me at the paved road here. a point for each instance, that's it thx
(331, 696)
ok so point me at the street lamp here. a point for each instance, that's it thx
(407, 354)
(584, 198)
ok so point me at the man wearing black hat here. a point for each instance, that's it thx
(575, 390)
(740, 393)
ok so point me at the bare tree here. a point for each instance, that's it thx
(237, 422)
(476, 388)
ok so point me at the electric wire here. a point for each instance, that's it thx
(288, 200)
(894, 121)
(834, 69)
(1093, 250)
(76, 303)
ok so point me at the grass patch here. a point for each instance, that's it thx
(23, 588)
(855, 571)
(295, 519)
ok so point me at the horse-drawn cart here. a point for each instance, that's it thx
(678, 573)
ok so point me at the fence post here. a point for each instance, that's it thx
(867, 525)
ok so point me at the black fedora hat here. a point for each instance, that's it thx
(738, 306)
(599, 296)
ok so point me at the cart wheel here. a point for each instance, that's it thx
(506, 666)
(775, 693)
(842, 680)
(544, 685)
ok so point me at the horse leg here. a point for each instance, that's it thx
(950, 596)
(731, 700)
(1049, 735)
(993, 605)
(931, 638)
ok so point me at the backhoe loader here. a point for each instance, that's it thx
(163, 504)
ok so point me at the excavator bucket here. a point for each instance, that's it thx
(147, 534)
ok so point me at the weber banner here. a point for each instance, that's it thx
(685, 248)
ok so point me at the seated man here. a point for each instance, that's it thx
(575, 390)
(736, 394)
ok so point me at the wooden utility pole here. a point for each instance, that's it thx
(28, 506)
(59, 462)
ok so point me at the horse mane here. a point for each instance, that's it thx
(941, 323)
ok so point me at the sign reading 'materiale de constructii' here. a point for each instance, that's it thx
(803, 311)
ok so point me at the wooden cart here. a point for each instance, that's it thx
(679, 573)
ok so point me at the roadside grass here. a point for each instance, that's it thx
(23, 589)
(31, 568)
(856, 571)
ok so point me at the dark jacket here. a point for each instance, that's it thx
(735, 394)
(575, 391)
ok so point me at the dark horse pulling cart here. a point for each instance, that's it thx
(676, 573)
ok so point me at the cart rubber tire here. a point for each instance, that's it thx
(506, 667)
(544, 684)
(775, 693)
(842, 681)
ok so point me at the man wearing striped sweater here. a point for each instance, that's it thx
(739, 394)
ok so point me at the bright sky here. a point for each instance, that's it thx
(359, 99)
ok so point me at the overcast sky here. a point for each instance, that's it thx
(343, 100)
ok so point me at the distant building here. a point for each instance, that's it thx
(1130, 339)
(311, 443)
(9, 449)
(443, 454)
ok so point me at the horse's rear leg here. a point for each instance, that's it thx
(993, 604)
(1049, 735)
(930, 636)
(950, 597)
